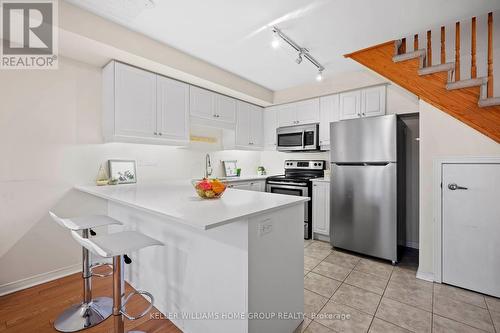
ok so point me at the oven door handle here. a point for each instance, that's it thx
(295, 185)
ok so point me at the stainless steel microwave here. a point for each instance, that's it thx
(297, 138)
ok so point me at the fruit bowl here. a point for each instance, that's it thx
(209, 188)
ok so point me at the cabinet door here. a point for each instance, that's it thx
(201, 103)
(240, 186)
(225, 108)
(350, 105)
(270, 125)
(135, 102)
(173, 109)
(287, 115)
(321, 208)
(256, 127)
(242, 124)
(307, 112)
(373, 101)
(257, 186)
(328, 112)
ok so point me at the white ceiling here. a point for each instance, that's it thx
(235, 35)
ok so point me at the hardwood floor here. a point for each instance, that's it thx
(34, 310)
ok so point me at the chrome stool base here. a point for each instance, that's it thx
(84, 315)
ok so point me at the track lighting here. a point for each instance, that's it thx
(319, 76)
(303, 52)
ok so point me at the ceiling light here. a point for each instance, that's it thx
(299, 59)
(276, 42)
(319, 76)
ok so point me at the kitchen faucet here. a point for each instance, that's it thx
(208, 166)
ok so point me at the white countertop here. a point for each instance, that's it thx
(325, 180)
(178, 201)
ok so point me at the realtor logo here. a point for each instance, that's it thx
(29, 34)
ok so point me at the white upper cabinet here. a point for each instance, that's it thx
(249, 126)
(201, 103)
(366, 102)
(216, 108)
(308, 111)
(134, 102)
(350, 104)
(225, 108)
(172, 109)
(328, 113)
(270, 125)
(373, 101)
(143, 107)
(299, 113)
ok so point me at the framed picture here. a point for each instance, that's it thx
(230, 168)
(122, 171)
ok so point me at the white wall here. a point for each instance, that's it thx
(442, 135)
(50, 140)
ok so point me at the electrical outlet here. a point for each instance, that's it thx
(265, 227)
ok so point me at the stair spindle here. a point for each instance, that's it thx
(415, 42)
(403, 46)
(457, 51)
(429, 48)
(473, 68)
(490, 55)
(443, 45)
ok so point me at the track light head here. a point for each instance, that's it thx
(299, 59)
(319, 76)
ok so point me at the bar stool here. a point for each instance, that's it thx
(116, 246)
(89, 312)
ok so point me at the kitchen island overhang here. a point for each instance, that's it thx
(233, 264)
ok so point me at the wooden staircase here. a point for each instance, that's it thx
(447, 84)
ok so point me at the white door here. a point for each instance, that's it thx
(287, 115)
(373, 101)
(135, 102)
(242, 124)
(173, 109)
(350, 105)
(270, 124)
(257, 186)
(471, 226)
(328, 112)
(307, 111)
(201, 103)
(225, 109)
(240, 186)
(321, 208)
(256, 127)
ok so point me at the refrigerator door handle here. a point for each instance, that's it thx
(363, 164)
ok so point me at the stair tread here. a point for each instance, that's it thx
(409, 55)
(437, 68)
(476, 82)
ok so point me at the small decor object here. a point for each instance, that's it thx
(230, 168)
(261, 171)
(209, 188)
(122, 172)
(238, 172)
(102, 176)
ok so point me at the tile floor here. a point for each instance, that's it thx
(348, 293)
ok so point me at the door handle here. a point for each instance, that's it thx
(454, 187)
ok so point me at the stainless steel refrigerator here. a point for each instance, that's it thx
(367, 185)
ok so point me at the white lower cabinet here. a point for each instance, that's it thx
(321, 208)
(254, 185)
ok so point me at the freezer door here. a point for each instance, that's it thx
(363, 209)
(371, 139)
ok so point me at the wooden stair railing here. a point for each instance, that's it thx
(456, 96)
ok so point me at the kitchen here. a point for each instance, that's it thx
(59, 139)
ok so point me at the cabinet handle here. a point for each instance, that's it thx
(154, 133)
(160, 133)
(363, 114)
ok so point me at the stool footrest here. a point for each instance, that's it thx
(130, 295)
(99, 265)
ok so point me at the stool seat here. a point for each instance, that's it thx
(116, 244)
(84, 222)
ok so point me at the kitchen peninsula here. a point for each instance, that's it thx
(233, 264)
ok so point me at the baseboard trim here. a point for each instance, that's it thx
(11, 287)
(427, 276)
